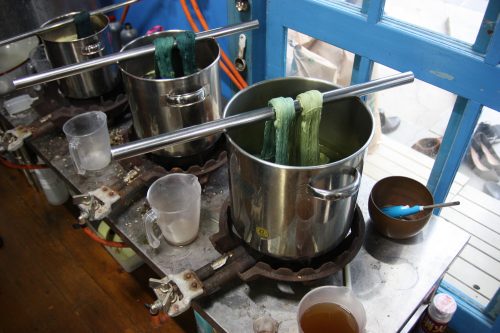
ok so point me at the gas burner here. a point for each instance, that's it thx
(293, 271)
(185, 162)
(201, 165)
(52, 110)
(176, 291)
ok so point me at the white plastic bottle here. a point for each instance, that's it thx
(438, 315)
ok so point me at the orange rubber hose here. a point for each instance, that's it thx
(11, 165)
(195, 28)
(230, 75)
(229, 63)
(124, 14)
(102, 241)
(193, 24)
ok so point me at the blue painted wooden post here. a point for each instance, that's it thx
(256, 39)
(465, 114)
(363, 66)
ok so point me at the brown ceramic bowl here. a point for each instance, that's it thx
(399, 190)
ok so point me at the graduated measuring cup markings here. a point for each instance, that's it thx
(175, 208)
(88, 140)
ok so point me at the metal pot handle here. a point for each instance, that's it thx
(338, 193)
(187, 99)
(92, 49)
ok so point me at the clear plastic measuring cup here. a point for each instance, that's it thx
(340, 296)
(175, 207)
(88, 140)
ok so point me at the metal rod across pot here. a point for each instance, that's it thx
(65, 71)
(157, 142)
(63, 22)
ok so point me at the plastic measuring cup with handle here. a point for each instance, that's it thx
(175, 208)
(353, 318)
(88, 140)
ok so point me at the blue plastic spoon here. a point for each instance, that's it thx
(405, 210)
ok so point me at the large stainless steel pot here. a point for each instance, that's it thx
(64, 48)
(295, 212)
(14, 58)
(17, 17)
(164, 105)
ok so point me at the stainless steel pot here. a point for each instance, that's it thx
(295, 212)
(64, 48)
(14, 58)
(17, 17)
(164, 105)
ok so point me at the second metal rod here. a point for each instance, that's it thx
(157, 142)
(63, 22)
(72, 69)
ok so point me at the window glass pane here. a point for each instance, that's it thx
(310, 57)
(482, 161)
(459, 19)
(422, 110)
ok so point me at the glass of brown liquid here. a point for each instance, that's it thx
(331, 309)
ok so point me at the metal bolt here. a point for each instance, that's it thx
(111, 193)
(104, 189)
(187, 276)
(241, 5)
(194, 285)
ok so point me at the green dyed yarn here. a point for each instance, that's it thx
(164, 68)
(83, 25)
(182, 62)
(278, 134)
(294, 141)
(269, 145)
(186, 45)
(307, 128)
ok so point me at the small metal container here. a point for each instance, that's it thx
(165, 105)
(296, 212)
(64, 48)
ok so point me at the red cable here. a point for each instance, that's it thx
(103, 241)
(124, 14)
(11, 165)
(229, 63)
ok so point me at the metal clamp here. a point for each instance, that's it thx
(240, 62)
(175, 292)
(92, 49)
(95, 205)
(13, 139)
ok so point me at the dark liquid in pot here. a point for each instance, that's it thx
(328, 317)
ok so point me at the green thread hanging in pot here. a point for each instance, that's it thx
(278, 134)
(307, 128)
(164, 68)
(83, 25)
(294, 141)
(175, 55)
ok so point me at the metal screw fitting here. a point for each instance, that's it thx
(241, 5)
